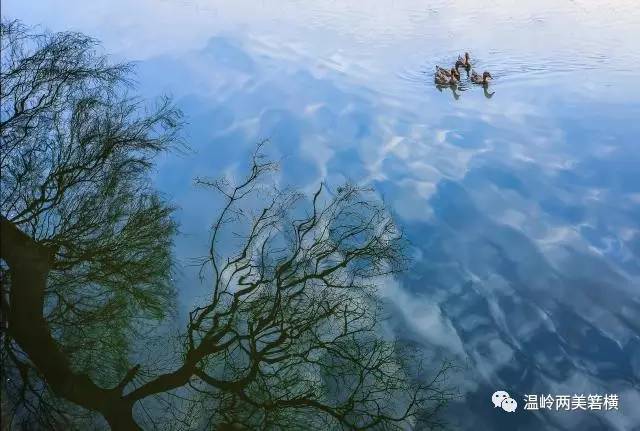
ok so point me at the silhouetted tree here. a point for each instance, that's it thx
(289, 334)
(75, 153)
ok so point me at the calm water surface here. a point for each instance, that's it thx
(522, 203)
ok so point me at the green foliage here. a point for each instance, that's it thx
(76, 151)
(289, 335)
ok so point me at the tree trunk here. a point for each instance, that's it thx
(121, 418)
(29, 264)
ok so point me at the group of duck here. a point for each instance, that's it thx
(444, 77)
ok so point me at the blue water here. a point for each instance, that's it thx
(522, 204)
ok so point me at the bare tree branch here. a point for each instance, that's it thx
(289, 335)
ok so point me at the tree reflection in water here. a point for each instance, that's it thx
(289, 337)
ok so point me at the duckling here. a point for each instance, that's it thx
(482, 80)
(464, 61)
(448, 73)
(441, 79)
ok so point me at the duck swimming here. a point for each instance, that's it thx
(442, 79)
(464, 61)
(448, 73)
(482, 80)
(446, 77)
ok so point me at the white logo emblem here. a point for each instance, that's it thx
(502, 399)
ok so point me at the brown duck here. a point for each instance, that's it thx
(464, 61)
(481, 80)
(451, 77)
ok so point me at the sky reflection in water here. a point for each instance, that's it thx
(522, 209)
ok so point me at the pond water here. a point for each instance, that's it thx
(522, 203)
